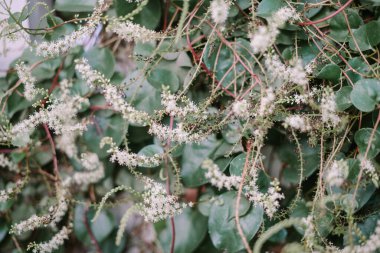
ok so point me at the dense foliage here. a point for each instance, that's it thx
(192, 126)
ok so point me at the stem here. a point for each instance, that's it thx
(328, 16)
(237, 218)
(273, 230)
(90, 233)
(55, 161)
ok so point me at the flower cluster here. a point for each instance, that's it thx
(31, 223)
(20, 183)
(369, 169)
(219, 11)
(93, 170)
(328, 109)
(309, 235)
(178, 134)
(266, 103)
(269, 200)
(60, 115)
(265, 36)
(371, 245)
(5, 162)
(62, 206)
(54, 243)
(125, 158)
(297, 122)
(25, 75)
(240, 108)
(288, 74)
(112, 96)
(337, 173)
(157, 204)
(132, 32)
(217, 178)
(61, 46)
(169, 101)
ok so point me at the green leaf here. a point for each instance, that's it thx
(102, 227)
(47, 69)
(329, 72)
(366, 37)
(159, 77)
(102, 60)
(74, 5)
(359, 66)
(366, 94)
(222, 226)
(114, 127)
(151, 150)
(267, 7)
(191, 229)
(342, 98)
(3, 230)
(192, 173)
(362, 137)
(338, 24)
(237, 164)
(149, 16)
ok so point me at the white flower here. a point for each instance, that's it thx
(54, 243)
(169, 101)
(218, 178)
(265, 36)
(133, 32)
(369, 169)
(177, 134)
(266, 104)
(25, 75)
(328, 109)
(94, 170)
(337, 173)
(241, 108)
(125, 158)
(297, 122)
(113, 97)
(219, 11)
(157, 204)
(63, 45)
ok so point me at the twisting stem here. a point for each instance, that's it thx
(90, 233)
(55, 161)
(237, 219)
(328, 16)
(172, 224)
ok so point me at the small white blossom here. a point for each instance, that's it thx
(241, 108)
(265, 36)
(133, 32)
(369, 169)
(169, 101)
(94, 170)
(266, 104)
(217, 178)
(125, 158)
(112, 96)
(157, 204)
(337, 173)
(328, 109)
(54, 243)
(297, 122)
(219, 11)
(177, 134)
(60, 46)
(25, 75)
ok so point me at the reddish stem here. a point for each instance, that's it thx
(90, 233)
(328, 16)
(166, 14)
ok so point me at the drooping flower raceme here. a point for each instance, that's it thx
(265, 36)
(328, 109)
(54, 243)
(61, 46)
(126, 158)
(26, 77)
(169, 101)
(297, 122)
(218, 178)
(337, 173)
(157, 204)
(133, 32)
(219, 11)
(113, 97)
